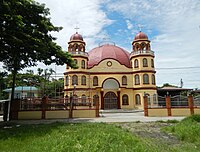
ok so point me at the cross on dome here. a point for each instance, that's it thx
(76, 28)
(140, 26)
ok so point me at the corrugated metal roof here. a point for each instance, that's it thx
(22, 88)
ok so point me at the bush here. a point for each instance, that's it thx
(195, 118)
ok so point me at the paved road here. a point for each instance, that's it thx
(105, 117)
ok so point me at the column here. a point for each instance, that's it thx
(145, 105)
(191, 104)
(102, 102)
(168, 105)
(118, 100)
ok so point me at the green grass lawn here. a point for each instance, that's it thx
(101, 137)
(188, 131)
(70, 137)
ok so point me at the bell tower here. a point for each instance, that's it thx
(76, 79)
(142, 59)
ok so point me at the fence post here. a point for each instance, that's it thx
(71, 106)
(191, 104)
(14, 109)
(168, 105)
(97, 108)
(145, 106)
(44, 103)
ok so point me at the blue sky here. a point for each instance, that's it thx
(173, 27)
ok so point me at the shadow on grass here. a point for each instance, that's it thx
(23, 131)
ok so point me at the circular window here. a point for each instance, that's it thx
(109, 63)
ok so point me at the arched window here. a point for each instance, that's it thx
(145, 62)
(83, 99)
(136, 64)
(66, 99)
(152, 63)
(137, 79)
(124, 80)
(75, 61)
(137, 99)
(148, 98)
(125, 99)
(66, 80)
(95, 81)
(155, 99)
(137, 46)
(74, 79)
(153, 79)
(145, 79)
(83, 80)
(143, 46)
(75, 99)
(83, 64)
(95, 100)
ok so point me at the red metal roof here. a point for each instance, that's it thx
(76, 36)
(141, 36)
(108, 51)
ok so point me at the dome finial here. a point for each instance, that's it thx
(76, 28)
(140, 26)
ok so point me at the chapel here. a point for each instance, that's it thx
(114, 77)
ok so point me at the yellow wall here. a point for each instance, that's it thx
(103, 72)
(30, 115)
(116, 67)
(57, 114)
(197, 111)
(84, 113)
(140, 60)
(180, 112)
(157, 112)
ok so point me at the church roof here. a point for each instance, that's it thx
(108, 51)
(76, 36)
(141, 36)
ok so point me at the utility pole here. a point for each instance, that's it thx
(181, 83)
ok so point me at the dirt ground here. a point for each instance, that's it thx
(151, 130)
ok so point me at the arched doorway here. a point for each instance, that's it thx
(110, 101)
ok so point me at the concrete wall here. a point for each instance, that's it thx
(84, 113)
(197, 111)
(29, 115)
(157, 112)
(57, 114)
(180, 112)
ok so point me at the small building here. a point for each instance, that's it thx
(172, 91)
(23, 92)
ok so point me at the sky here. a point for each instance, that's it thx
(173, 27)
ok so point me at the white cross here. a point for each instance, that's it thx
(76, 28)
(140, 26)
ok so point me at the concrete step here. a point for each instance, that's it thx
(121, 111)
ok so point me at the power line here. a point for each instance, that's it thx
(176, 68)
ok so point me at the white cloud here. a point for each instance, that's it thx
(129, 24)
(86, 14)
(176, 22)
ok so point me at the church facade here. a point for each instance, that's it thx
(109, 74)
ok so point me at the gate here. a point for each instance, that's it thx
(110, 101)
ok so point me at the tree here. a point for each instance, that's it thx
(25, 37)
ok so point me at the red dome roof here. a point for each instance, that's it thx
(141, 36)
(76, 36)
(108, 51)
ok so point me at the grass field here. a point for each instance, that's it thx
(89, 137)
(69, 137)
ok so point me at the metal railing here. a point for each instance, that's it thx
(79, 53)
(142, 52)
(196, 101)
